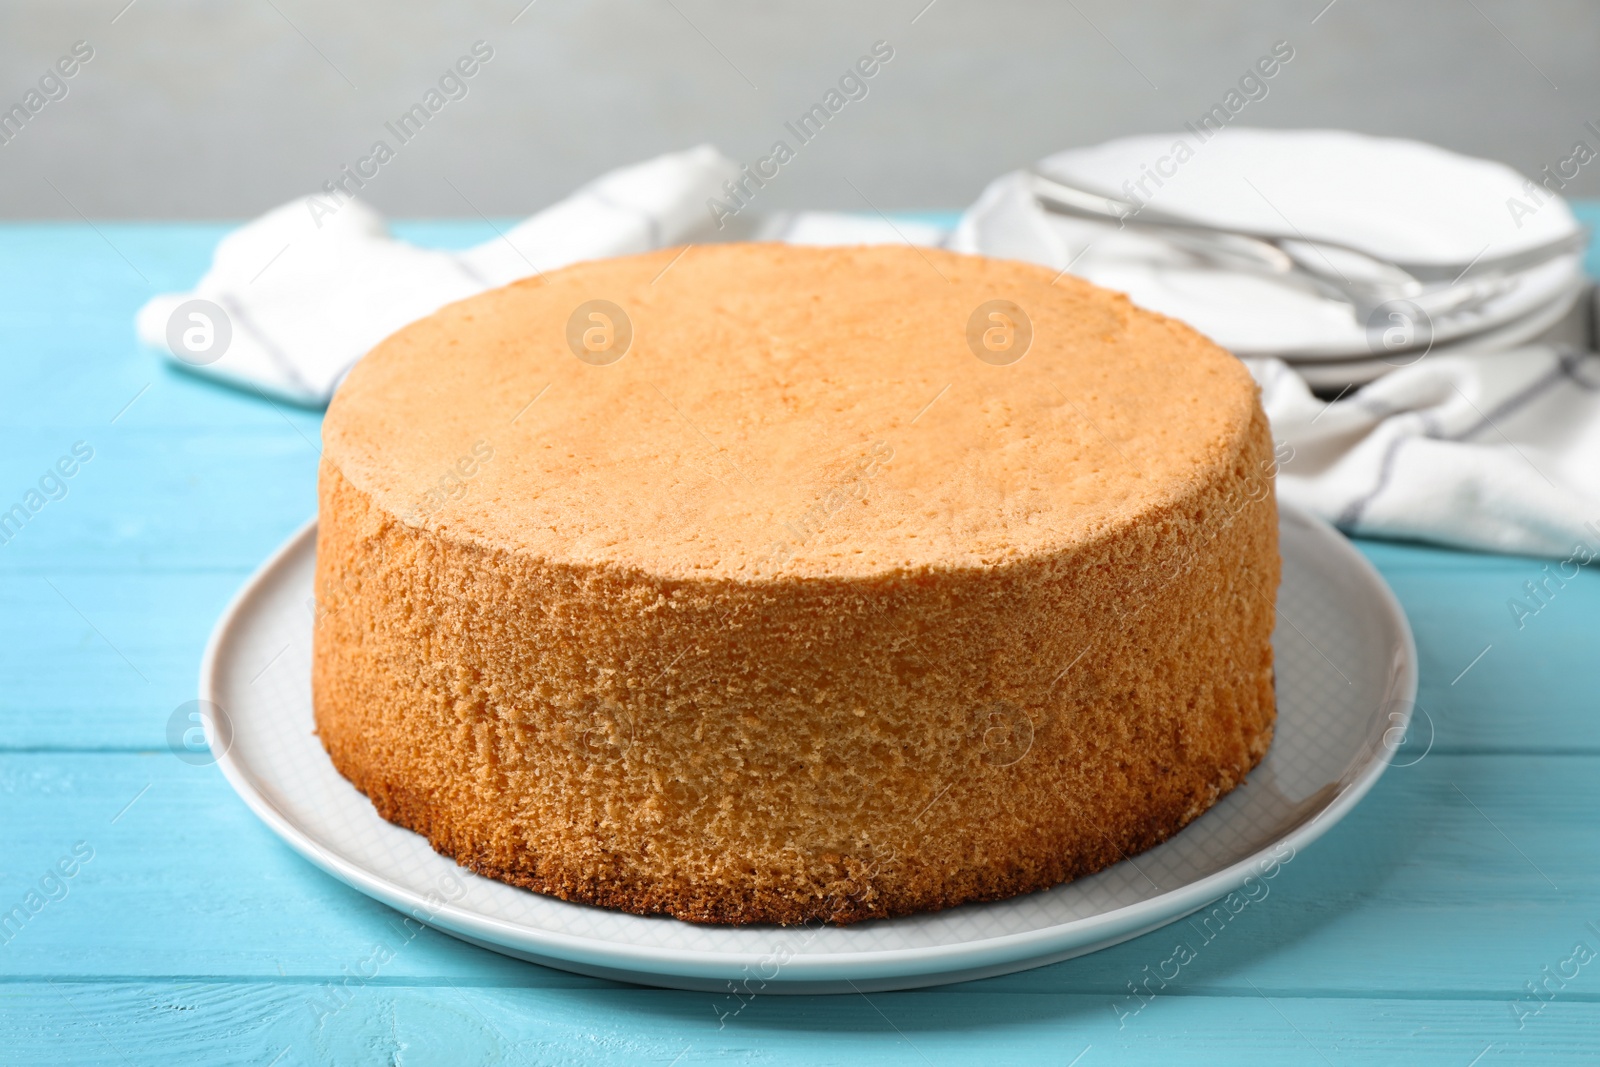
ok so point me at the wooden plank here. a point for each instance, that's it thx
(1494, 679)
(96, 662)
(184, 880)
(1436, 884)
(167, 503)
(289, 1024)
(1407, 935)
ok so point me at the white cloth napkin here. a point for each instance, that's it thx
(305, 294)
(1495, 451)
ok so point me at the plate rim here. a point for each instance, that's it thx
(653, 965)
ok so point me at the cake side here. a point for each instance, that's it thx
(801, 748)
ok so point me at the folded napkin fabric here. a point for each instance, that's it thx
(303, 294)
(1497, 451)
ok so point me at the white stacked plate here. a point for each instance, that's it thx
(1396, 200)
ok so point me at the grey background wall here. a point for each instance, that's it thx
(209, 109)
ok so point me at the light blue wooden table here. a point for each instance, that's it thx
(1435, 925)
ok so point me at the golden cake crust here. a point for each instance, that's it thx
(800, 609)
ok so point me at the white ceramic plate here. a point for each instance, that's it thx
(1393, 198)
(1346, 681)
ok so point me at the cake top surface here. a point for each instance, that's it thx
(753, 411)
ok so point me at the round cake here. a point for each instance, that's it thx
(758, 583)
